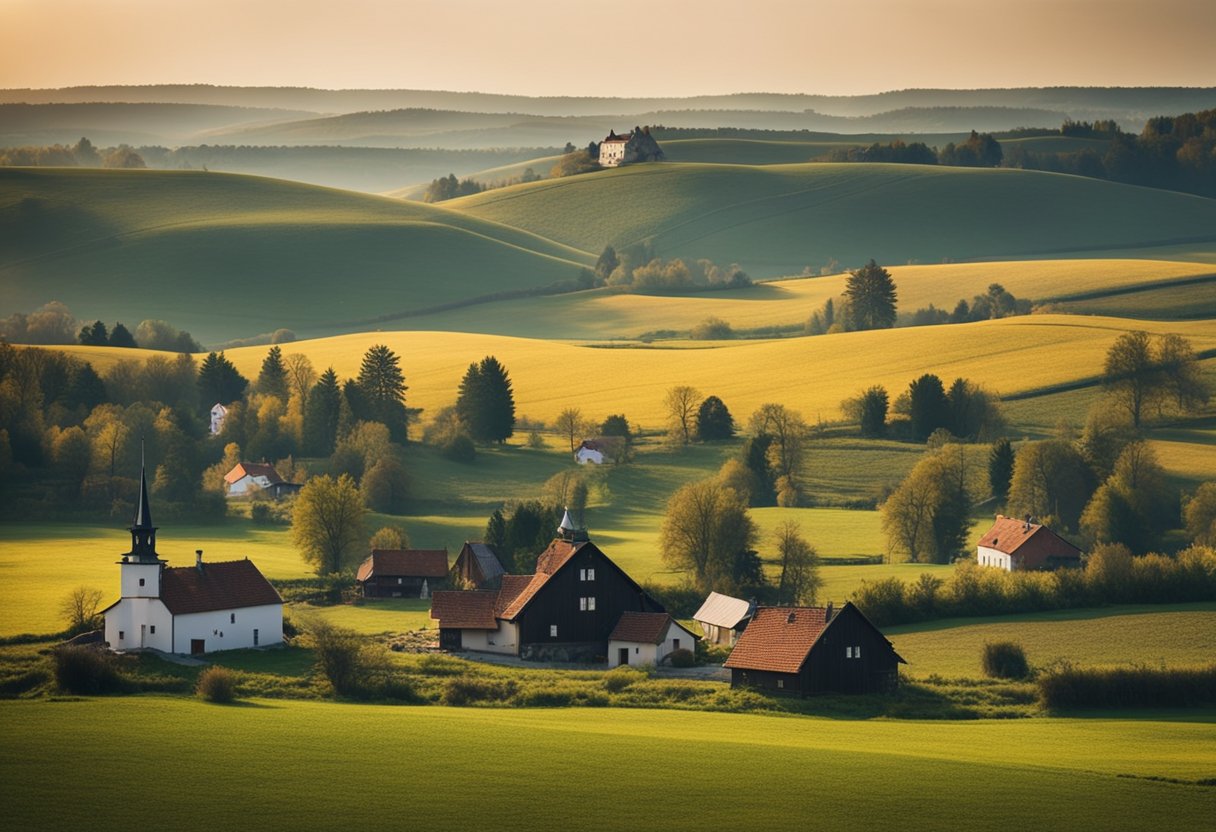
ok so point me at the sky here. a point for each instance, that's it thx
(668, 47)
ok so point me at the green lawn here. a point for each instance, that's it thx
(1183, 634)
(317, 765)
(374, 617)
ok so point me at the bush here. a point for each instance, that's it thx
(681, 658)
(467, 690)
(619, 678)
(459, 448)
(217, 684)
(1128, 687)
(342, 658)
(1005, 660)
(87, 670)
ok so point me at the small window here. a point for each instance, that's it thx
(582, 604)
(399, 580)
(857, 652)
(232, 618)
(552, 631)
(591, 574)
(848, 652)
(582, 574)
(781, 683)
(121, 635)
(152, 629)
(675, 644)
(255, 637)
(141, 581)
(591, 603)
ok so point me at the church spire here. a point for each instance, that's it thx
(143, 533)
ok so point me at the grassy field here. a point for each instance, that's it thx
(312, 758)
(1183, 634)
(776, 220)
(248, 255)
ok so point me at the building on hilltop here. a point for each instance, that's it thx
(565, 611)
(804, 650)
(628, 148)
(1023, 545)
(402, 573)
(190, 609)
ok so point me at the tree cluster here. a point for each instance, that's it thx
(928, 517)
(520, 531)
(917, 153)
(997, 302)
(980, 150)
(82, 154)
(1144, 374)
(449, 187)
(637, 270)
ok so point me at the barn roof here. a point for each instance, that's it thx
(224, 585)
(723, 611)
(252, 469)
(1033, 541)
(464, 610)
(778, 639)
(550, 560)
(404, 563)
(487, 560)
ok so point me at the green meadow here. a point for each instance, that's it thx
(319, 765)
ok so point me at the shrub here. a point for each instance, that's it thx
(469, 690)
(681, 658)
(1128, 687)
(217, 684)
(459, 448)
(342, 657)
(619, 678)
(1005, 660)
(87, 670)
(260, 514)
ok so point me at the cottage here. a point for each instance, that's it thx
(218, 414)
(638, 146)
(805, 650)
(402, 573)
(566, 611)
(597, 451)
(192, 609)
(589, 452)
(1023, 545)
(249, 479)
(723, 618)
(478, 567)
(647, 638)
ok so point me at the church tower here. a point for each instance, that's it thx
(141, 566)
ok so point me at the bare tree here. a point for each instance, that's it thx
(800, 579)
(82, 609)
(682, 403)
(789, 432)
(300, 376)
(569, 423)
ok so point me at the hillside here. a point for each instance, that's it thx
(247, 255)
(778, 220)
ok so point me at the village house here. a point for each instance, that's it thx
(1023, 545)
(723, 618)
(477, 567)
(627, 148)
(402, 573)
(647, 638)
(589, 452)
(566, 611)
(249, 479)
(805, 650)
(190, 609)
(218, 414)
(596, 451)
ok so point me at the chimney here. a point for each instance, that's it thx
(1027, 526)
(198, 559)
(827, 613)
(791, 618)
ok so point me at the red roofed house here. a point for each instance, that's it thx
(566, 611)
(805, 650)
(249, 478)
(190, 609)
(1022, 545)
(647, 638)
(402, 573)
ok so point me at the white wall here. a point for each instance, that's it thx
(130, 575)
(987, 556)
(674, 633)
(638, 653)
(503, 640)
(267, 620)
(136, 619)
(247, 485)
(586, 455)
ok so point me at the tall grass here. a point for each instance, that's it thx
(1070, 687)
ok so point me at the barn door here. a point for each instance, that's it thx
(449, 639)
(623, 655)
(197, 645)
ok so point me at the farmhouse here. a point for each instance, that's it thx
(218, 414)
(566, 611)
(192, 609)
(247, 479)
(596, 451)
(627, 148)
(589, 451)
(402, 573)
(478, 566)
(647, 638)
(723, 618)
(805, 650)
(1022, 545)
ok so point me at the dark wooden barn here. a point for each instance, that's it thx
(402, 573)
(806, 650)
(477, 567)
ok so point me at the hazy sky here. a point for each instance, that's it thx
(545, 47)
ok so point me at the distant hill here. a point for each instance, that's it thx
(778, 220)
(227, 256)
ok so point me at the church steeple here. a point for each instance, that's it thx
(143, 533)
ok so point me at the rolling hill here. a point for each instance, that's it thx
(229, 256)
(779, 220)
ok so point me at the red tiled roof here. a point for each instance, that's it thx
(550, 560)
(641, 627)
(252, 469)
(509, 590)
(404, 563)
(468, 610)
(224, 585)
(778, 639)
(1032, 542)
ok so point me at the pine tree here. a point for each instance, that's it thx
(871, 295)
(95, 335)
(930, 408)
(1000, 468)
(273, 377)
(86, 388)
(218, 379)
(120, 336)
(382, 384)
(486, 404)
(322, 414)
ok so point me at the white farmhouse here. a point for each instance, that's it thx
(218, 414)
(249, 478)
(589, 452)
(612, 149)
(647, 638)
(192, 609)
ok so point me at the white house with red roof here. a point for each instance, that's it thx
(190, 609)
(1023, 545)
(249, 478)
(647, 638)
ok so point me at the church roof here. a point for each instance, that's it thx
(143, 511)
(224, 585)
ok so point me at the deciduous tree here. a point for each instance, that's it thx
(714, 420)
(800, 580)
(681, 406)
(705, 527)
(327, 524)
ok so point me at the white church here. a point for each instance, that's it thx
(189, 609)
